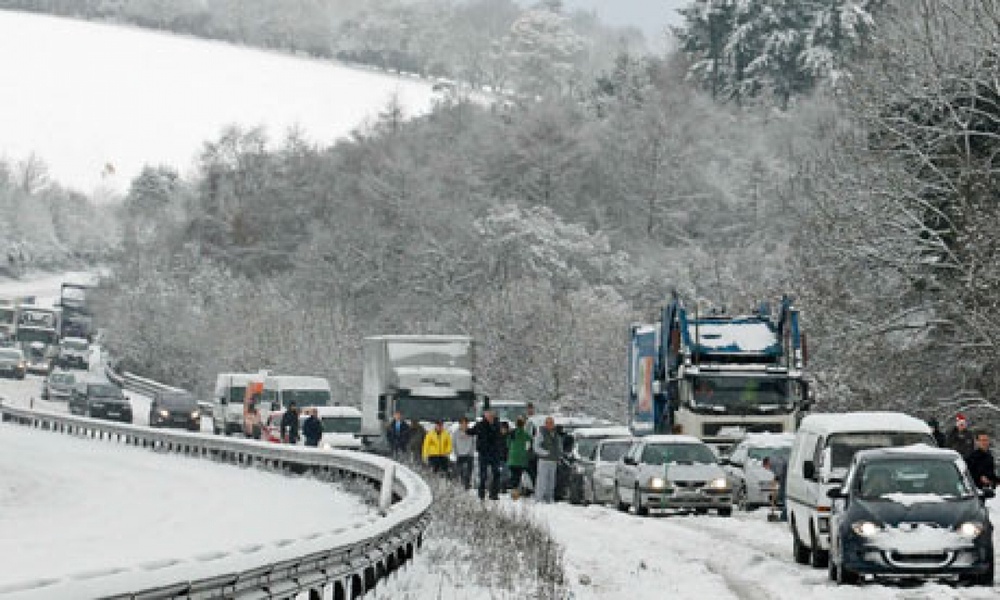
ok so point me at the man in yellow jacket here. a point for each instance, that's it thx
(437, 448)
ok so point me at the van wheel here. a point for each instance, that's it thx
(799, 550)
(741, 498)
(818, 557)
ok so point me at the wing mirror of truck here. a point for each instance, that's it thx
(628, 460)
(809, 470)
(835, 493)
(987, 493)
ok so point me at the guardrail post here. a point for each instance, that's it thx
(385, 499)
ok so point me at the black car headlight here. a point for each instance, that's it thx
(969, 529)
(865, 528)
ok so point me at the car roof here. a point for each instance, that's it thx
(911, 451)
(826, 423)
(76, 339)
(768, 440)
(602, 432)
(336, 411)
(670, 438)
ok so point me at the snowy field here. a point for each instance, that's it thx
(83, 97)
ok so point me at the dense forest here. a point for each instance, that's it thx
(841, 151)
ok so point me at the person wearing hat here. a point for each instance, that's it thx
(960, 438)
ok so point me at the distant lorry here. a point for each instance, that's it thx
(227, 401)
(38, 335)
(425, 377)
(9, 308)
(717, 376)
(77, 318)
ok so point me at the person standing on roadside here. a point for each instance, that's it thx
(779, 467)
(982, 466)
(437, 448)
(532, 429)
(290, 425)
(960, 439)
(312, 428)
(488, 441)
(518, 445)
(398, 435)
(465, 452)
(548, 448)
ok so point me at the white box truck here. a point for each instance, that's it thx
(425, 377)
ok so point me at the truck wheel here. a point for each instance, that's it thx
(619, 504)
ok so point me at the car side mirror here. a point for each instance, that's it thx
(836, 492)
(809, 470)
(987, 493)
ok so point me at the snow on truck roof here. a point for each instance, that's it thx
(733, 335)
(297, 382)
(863, 421)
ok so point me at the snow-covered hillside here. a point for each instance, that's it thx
(96, 102)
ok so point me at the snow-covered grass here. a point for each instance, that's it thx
(83, 96)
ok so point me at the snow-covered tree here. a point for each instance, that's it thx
(543, 51)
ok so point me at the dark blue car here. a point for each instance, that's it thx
(910, 513)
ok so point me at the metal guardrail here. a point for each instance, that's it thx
(148, 387)
(348, 562)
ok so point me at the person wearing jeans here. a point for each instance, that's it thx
(548, 448)
(465, 452)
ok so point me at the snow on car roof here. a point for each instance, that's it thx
(863, 421)
(769, 440)
(618, 430)
(671, 438)
(337, 411)
(917, 450)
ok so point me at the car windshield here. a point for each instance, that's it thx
(105, 390)
(177, 400)
(341, 424)
(661, 454)
(612, 451)
(761, 452)
(306, 397)
(432, 409)
(10, 355)
(509, 412)
(843, 446)
(911, 476)
(585, 446)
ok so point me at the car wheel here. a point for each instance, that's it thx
(701, 510)
(640, 510)
(817, 557)
(985, 579)
(846, 576)
(726, 512)
(619, 503)
(799, 550)
(741, 498)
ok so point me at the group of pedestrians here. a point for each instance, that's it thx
(312, 427)
(974, 449)
(520, 459)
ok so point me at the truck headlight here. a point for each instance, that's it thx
(865, 528)
(719, 483)
(969, 529)
(657, 483)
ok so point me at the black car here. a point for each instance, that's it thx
(910, 513)
(12, 363)
(100, 400)
(175, 409)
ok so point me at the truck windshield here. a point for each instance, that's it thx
(432, 409)
(36, 335)
(743, 395)
(431, 354)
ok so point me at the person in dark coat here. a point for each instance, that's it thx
(981, 464)
(489, 445)
(960, 439)
(312, 429)
(397, 433)
(939, 436)
(290, 425)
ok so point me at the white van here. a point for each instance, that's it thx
(282, 390)
(821, 453)
(227, 401)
